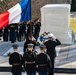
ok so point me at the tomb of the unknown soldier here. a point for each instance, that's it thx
(55, 18)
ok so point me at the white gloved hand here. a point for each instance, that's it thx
(54, 37)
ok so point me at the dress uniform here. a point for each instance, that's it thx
(19, 32)
(30, 27)
(50, 45)
(30, 60)
(26, 30)
(5, 33)
(13, 29)
(23, 30)
(37, 29)
(16, 61)
(0, 33)
(43, 61)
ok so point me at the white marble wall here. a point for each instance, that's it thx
(56, 19)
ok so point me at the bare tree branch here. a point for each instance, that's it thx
(36, 5)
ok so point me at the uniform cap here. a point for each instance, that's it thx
(15, 46)
(30, 45)
(50, 35)
(42, 46)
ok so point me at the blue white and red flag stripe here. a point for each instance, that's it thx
(18, 13)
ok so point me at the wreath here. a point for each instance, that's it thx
(44, 37)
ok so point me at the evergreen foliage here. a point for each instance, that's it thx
(73, 6)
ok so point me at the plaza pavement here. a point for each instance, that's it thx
(66, 56)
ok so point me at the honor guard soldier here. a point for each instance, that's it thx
(5, 33)
(13, 29)
(19, 32)
(29, 58)
(28, 28)
(23, 30)
(43, 61)
(50, 45)
(0, 33)
(16, 61)
(37, 26)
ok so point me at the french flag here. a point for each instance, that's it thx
(18, 13)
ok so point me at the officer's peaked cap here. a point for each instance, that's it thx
(15, 46)
(42, 46)
(30, 45)
(50, 35)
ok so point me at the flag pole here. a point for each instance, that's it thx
(30, 19)
(30, 9)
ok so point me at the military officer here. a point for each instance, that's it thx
(5, 33)
(13, 29)
(23, 30)
(37, 26)
(16, 61)
(19, 32)
(0, 33)
(43, 61)
(30, 60)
